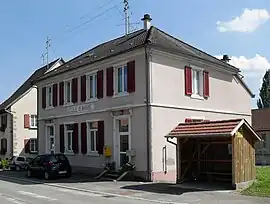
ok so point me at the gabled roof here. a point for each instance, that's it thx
(27, 85)
(211, 129)
(153, 37)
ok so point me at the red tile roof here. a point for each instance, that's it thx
(207, 128)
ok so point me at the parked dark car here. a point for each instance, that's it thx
(49, 166)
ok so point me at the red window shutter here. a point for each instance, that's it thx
(74, 90)
(55, 95)
(83, 88)
(61, 93)
(62, 138)
(26, 146)
(26, 121)
(75, 141)
(44, 97)
(188, 120)
(83, 138)
(131, 76)
(100, 137)
(206, 84)
(188, 81)
(100, 84)
(109, 77)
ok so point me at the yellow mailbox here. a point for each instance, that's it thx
(107, 151)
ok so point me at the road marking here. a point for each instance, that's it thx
(79, 192)
(36, 195)
(90, 191)
(14, 201)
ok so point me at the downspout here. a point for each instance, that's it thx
(35, 86)
(148, 115)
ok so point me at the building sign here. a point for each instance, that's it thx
(80, 108)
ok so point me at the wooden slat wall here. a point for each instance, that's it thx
(244, 157)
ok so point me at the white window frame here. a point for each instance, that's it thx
(34, 141)
(116, 137)
(123, 92)
(68, 151)
(89, 151)
(88, 97)
(33, 117)
(49, 100)
(65, 92)
(48, 138)
(200, 72)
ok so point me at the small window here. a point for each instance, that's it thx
(68, 92)
(92, 136)
(263, 142)
(92, 86)
(197, 82)
(69, 138)
(33, 121)
(49, 98)
(33, 145)
(3, 123)
(121, 79)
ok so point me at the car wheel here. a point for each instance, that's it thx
(29, 173)
(68, 174)
(18, 168)
(46, 175)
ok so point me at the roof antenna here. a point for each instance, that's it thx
(127, 17)
(48, 44)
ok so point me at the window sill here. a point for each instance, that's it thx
(33, 152)
(93, 154)
(69, 153)
(49, 107)
(91, 100)
(68, 104)
(196, 96)
(121, 95)
(34, 128)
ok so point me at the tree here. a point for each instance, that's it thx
(264, 99)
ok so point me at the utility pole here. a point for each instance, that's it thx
(48, 44)
(127, 17)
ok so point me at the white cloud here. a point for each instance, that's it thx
(248, 21)
(252, 69)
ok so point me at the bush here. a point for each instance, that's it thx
(4, 164)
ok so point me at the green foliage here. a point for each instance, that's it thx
(262, 185)
(264, 99)
(4, 164)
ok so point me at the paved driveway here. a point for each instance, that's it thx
(147, 192)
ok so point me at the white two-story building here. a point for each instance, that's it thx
(127, 94)
(18, 117)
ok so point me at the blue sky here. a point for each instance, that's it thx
(74, 27)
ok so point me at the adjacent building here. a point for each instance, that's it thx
(261, 124)
(126, 94)
(18, 117)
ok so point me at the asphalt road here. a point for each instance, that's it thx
(12, 193)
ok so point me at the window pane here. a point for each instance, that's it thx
(123, 125)
(95, 86)
(125, 78)
(123, 159)
(92, 141)
(120, 88)
(68, 91)
(94, 125)
(69, 127)
(69, 141)
(196, 82)
(124, 143)
(51, 143)
(91, 85)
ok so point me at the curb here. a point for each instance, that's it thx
(91, 191)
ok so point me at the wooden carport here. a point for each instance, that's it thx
(216, 151)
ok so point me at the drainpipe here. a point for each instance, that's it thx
(35, 86)
(148, 115)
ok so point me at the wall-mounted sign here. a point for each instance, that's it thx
(80, 108)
